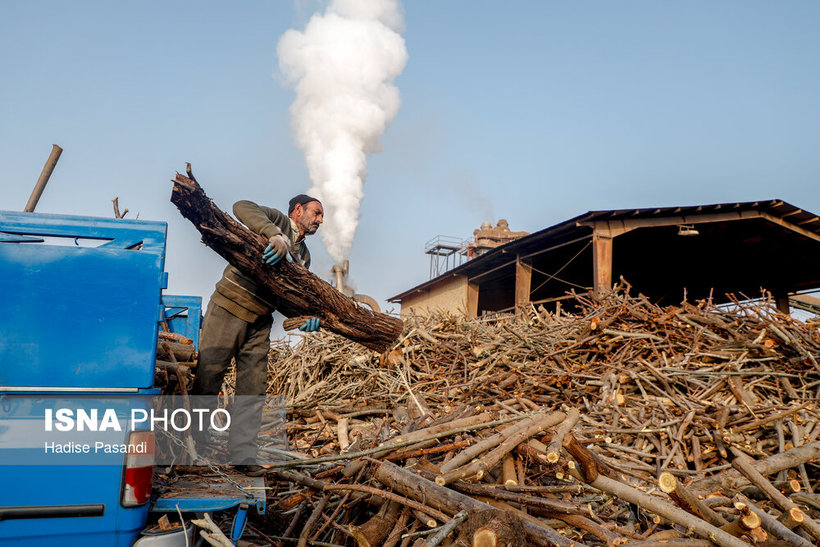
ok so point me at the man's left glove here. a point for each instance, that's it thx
(276, 249)
(311, 325)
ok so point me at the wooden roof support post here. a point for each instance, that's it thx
(523, 284)
(601, 262)
(781, 301)
(472, 300)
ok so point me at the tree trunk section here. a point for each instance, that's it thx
(294, 289)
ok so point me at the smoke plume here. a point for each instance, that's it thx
(342, 66)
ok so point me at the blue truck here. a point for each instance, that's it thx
(81, 304)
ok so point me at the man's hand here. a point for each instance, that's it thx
(276, 249)
(311, 325)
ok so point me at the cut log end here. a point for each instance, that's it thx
(485, 537)
(667, 482)
(749, 519)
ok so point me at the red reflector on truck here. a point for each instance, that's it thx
(138, 469)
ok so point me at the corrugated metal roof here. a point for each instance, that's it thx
(581, 227)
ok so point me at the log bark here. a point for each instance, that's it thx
(293, 289)
(375, 531)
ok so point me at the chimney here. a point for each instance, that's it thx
(488, 238)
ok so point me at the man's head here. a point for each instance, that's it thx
(307, 213)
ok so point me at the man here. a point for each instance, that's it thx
(238, 322)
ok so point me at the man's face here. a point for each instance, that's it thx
(308, 217)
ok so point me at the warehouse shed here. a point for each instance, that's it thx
(669, 254)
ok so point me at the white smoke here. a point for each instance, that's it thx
(342, 67)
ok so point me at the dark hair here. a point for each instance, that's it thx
(301, 199)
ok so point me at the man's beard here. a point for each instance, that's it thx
(310, 229)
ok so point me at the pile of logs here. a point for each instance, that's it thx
(620, 422)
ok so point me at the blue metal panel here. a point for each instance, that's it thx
(183, 314)
(122, 233)
(79, 316)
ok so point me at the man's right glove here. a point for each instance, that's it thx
(276, 249)
(311, 325)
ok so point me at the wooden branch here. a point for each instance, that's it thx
(773, 526)
(311, 521)
(650, 503)
(491, 529)
(180, 352)
(398, 529)
(590, 465)
(747, 523)
(211, 533)
(688, 501)
(446, 529)
(792, 518)
(175, 337)
(477, 489)
(508, 474)
(482, 446)
(590, 526)
(554, 448)
(293, 289)
(732, 479)
(449, 501)
(534, 425)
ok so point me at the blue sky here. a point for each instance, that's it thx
(530, 111)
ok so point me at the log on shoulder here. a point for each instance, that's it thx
(294, 289)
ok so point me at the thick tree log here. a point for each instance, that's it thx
(293, 289)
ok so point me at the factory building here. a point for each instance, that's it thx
(668, 254)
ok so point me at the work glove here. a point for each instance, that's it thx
(276, 249)
(311, 325)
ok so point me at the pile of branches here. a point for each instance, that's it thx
(622, 422)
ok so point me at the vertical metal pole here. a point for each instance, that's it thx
(48, 168)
